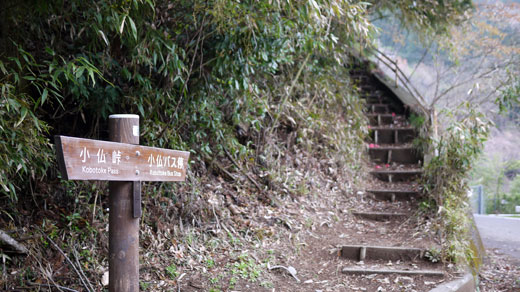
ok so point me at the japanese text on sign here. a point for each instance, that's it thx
(86, 159)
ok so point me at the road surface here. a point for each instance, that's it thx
(501, 233)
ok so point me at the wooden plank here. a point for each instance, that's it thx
(86, 159)
(428, 273)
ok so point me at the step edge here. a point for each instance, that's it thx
(379, 213)
(391, 191)
(383, 128)
(400, 248)
(389, 271)
(396, 171)
(392, 148)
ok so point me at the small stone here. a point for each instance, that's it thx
(104, 279)
(308, 282)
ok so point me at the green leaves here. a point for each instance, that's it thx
(509, 99)
(428, 18)
(133, 28)
(446, 177)
(193, 70)
(24, 149)
(23, 114)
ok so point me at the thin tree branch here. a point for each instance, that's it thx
(289, 92)
(67, 259)
(241, 170)
(404, 80)
(51, 286)
(436, 99)
(420, 60)
(18, 247)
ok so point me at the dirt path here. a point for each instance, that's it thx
(308, 254)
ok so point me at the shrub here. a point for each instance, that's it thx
(446, 178)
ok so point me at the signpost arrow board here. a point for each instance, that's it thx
(124, 164)
(85, 159)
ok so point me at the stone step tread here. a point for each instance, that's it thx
(386, 253)
(389, 191)
(380, 213)
(380, 216)
(389, 248)
(394, 195)
(397, 171)
(431, 273)
(392, 147)
(388, 127)
(384, 115)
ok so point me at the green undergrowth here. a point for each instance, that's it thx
(243, 86)
(445, 181)
(257, 91)
(221, 79)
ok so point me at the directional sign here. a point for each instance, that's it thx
(85, 159)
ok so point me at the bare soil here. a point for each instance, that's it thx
(306, 234)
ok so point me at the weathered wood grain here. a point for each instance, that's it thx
(86, 159)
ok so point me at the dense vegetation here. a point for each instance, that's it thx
(451, 73)
(237, 83)
(497, 174)
(213, 77)
(446, 180)
(219, 78)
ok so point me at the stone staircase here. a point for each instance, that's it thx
(391, 199)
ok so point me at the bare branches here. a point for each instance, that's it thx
(421, 60)
(53, 286)
(84, 280)
(402, 77)
(241, 170)
(471, 66)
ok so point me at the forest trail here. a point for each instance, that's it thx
(389, 250)
(371, 239)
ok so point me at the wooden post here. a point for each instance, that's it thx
(123, 235)
(124, 164)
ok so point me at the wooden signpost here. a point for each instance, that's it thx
(101, 160)
(124, 164)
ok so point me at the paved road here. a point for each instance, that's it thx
(500, 233)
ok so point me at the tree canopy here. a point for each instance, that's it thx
(195, 71)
